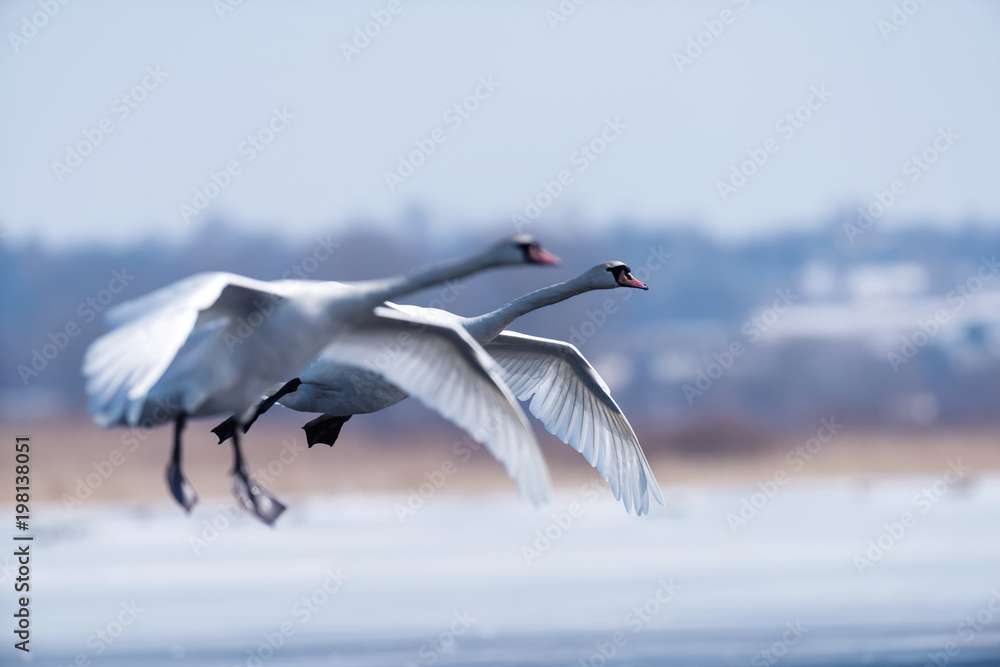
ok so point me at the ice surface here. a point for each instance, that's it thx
(406, 586)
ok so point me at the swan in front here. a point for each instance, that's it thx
(214, 342)
(569, 397)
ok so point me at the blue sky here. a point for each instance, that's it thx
(267, 87)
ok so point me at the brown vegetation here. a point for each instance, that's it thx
(366, 460)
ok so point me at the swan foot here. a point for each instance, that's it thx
(226, 429)
(180, 488)
(324, 429)
(255, 499)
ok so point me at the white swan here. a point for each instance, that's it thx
(215, 342)
(566, 393)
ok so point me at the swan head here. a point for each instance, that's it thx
(522, 249)
(609, 275)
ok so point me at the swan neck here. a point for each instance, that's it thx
(386, 290)
(487, 327)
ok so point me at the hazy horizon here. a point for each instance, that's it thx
(340, 120)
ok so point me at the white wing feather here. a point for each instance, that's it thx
(123, 365)
(575, 405)
(444, 368)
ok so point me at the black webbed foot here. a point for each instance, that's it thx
(226, 429)
(324, 429)
(254, 498)
(180, 488)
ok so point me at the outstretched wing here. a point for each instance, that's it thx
(444, 368)
(123, 365)
(575, 405)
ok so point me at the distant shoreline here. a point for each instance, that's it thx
(75, 458)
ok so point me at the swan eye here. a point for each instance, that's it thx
(620, 270)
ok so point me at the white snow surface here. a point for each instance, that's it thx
(405, 583)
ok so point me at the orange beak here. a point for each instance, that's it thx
(540, 255)
(629, 281)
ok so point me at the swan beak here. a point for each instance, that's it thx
(626, 280)
(539, 255)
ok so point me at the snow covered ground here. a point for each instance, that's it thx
(896, 571)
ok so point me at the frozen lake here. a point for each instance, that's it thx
(896, 572)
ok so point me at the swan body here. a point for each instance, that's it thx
(214, 342)
(565, 391)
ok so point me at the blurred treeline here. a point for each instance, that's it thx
(702, 300)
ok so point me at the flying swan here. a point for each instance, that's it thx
(566, 393)
(214, 342)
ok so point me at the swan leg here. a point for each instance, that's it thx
(324, 429)
(180, 488)
(254, 498)
(269, 402)
(226, 429)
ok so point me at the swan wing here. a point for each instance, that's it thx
(575, 405)
(446, 370)
(123, 365)
(196, 292)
